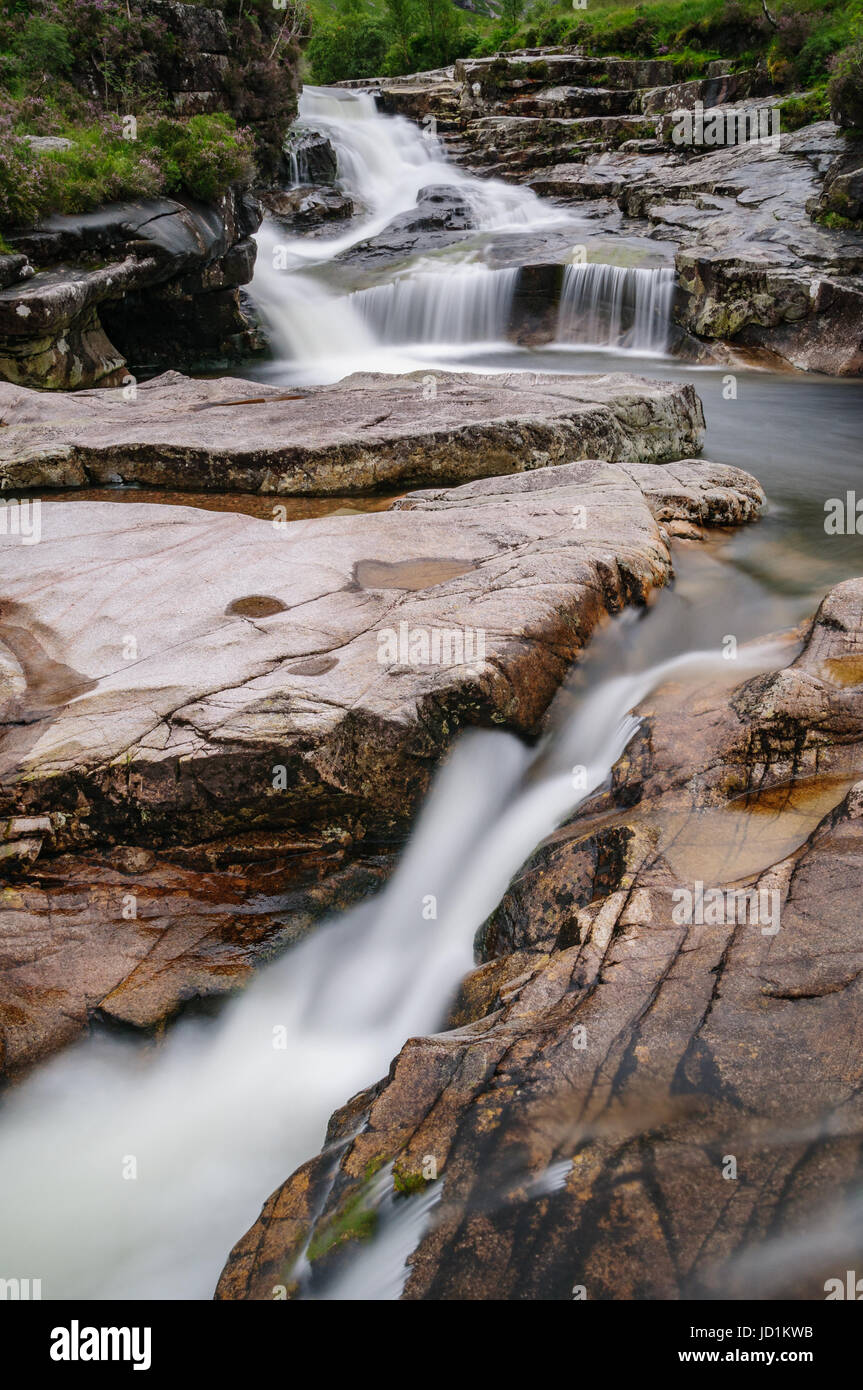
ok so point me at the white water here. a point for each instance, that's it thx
(217, 1116)
(459, 305)
(383, 162)
(615, 306)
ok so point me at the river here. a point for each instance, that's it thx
(216, 1115)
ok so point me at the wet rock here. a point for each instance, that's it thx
(440, 218)
(643, 1096)
(145, 272)
(129, 939)
(186, 786)
(310, 156)
(301, 208)
(14, 268)
(365, 434)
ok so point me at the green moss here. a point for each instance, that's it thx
(355, 1221)
(406, 1183)
(803, 110)
(838, 222)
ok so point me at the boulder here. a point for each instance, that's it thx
(164, 288)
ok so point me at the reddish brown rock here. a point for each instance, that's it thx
(694, 1087)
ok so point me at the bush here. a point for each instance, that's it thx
(845, 91)
(803, 110)
(24, 185)
(203, 155)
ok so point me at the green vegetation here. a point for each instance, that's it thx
(367, 38)
(805, 44)
(99, 72)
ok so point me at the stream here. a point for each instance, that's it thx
(217, 1115)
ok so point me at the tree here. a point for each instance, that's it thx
(402, 23)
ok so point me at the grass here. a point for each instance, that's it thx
(202, 156)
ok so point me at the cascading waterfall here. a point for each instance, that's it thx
(218, 1115)
(306, 322)
(616, 306)
(383, 162)
(470, 304)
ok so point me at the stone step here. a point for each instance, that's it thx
(532, 142)
(511, 73)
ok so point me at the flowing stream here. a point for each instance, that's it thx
(224, 1109)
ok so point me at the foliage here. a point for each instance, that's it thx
(403, 36)
(202, 157)
(845, 91)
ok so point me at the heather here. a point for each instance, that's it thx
(98, 74)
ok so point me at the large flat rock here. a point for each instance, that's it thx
(367, 433)
(629, 1104)
(160, 660)
(208, 737)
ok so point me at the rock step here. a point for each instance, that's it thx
(528, 142)
(363, 435)
(513, 73)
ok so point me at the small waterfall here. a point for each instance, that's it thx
(616, 306)
(471, 304)
(296, 180)
(384, 161)
(305, 322)
(218, 1116)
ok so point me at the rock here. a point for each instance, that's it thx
(307, 207)
(841, 198)
(630, 1104)
(156, 255)
(248, 756)
(128, 939)
(48, 144)
(441, 217)
(274, 660)
(14, 268)
(365, 434)
(309, 156)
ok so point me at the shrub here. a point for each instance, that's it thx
(203, 155)
(803, 110)
(845, 91)
(24, 184)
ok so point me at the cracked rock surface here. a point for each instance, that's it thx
(213, 692)
(367, 433)
(633, 1053)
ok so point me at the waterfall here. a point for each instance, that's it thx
(384, 161)
(471, 304)
(218, 1115)
(306, 322)
(616, 306)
